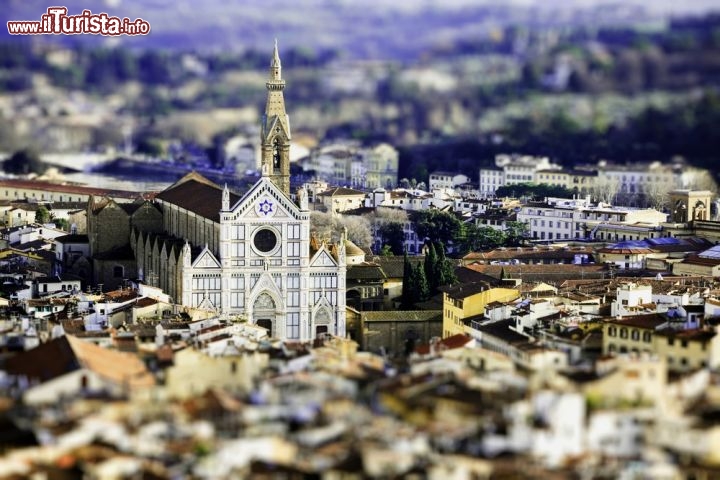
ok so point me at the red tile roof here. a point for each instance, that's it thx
(55, 187)
(198, 195)
(68, 353)
(449, 343)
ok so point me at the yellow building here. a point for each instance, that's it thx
(194, 372)
(681, 349)
(558, 178)
(469, 299)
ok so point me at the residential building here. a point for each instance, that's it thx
(40, 191)
(341, 199)
(491, 178)
(350, 164)
(440, 180)
(705, 263)
(68, 366)
(463, 301)
(399, 331)
(683, 349)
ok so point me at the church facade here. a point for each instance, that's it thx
(250, 256)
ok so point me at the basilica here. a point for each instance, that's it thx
(249, 256)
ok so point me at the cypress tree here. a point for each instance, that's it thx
(431, 268)
(407, 286)
(420, 292)
(446, 271)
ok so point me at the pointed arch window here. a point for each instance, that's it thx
(276, 153)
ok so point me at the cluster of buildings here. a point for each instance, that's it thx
(196, 332)
(631, 184)
(608, 377)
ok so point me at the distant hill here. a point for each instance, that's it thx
(368, 29)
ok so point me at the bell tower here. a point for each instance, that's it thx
(275, 132)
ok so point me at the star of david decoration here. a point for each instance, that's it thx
(265, 207)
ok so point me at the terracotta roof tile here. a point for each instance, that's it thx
(201, 197)
(54, 187)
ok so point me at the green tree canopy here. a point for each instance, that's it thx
(482, 238)
(515, 233)
(534, 190)
(392, 235)
(431, 268)
(42, 215)
(445, 268)
(438, 226)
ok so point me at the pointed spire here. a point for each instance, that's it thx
(275, 66)
(186, 254)
(226, 198)
(276, 56)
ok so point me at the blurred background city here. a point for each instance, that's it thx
(449, 84)
(489, 250)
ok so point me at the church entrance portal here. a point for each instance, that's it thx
(264, 312)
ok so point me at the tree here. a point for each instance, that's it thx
(389, 225)
(657, 195)
(23, 162)
(327, 226)
(605, 188)
(62, 224)
(438, 226)
(42, 215)
(446, 270)
(701, 179)
(420, 291)
(431, 267)
(150, 146)
(541, 190)
(392, 235)
(407, 282)
(482, 238)
(515, 233)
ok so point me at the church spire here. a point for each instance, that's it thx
(275, 134)
(275, 66)
(226, 199)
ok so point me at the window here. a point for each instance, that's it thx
(647, 337)
(684, 343)
(635, 335)
(623, 332)
(612, 331)
(265, 240)
(293, 325)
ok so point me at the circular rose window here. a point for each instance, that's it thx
(265, 240)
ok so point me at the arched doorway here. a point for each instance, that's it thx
(353, 299)
(321, 322)
(264, 312)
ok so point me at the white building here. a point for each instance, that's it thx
(564, 219)
(630, 296)
(440, 180)
(249, 256)
(511, 170)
